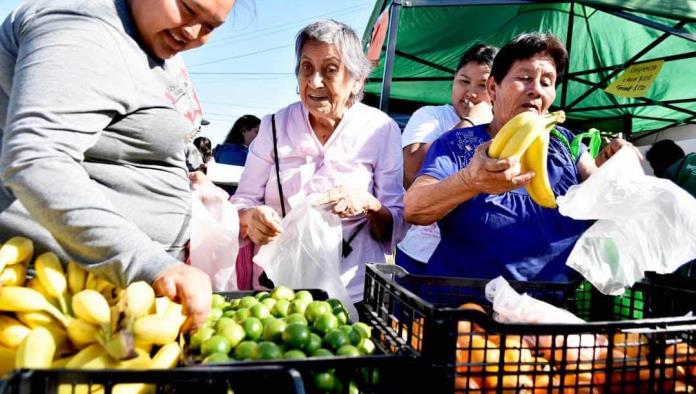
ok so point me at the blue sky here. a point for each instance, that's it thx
(247, 66)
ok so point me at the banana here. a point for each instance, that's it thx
(141, 361)
(539, 188)
(12, 332)
(52, 277)
(84, 356)
(61, 362)
(14, 275)
(82, 333)
(91, 281)
(24, 299)
(161, 305)
(507, 131)
(77, 277)
(166, 357)
(35, 319)
(155, 329)
(16, 250)
(36, 350)
(34, 283)
(520, 141)
(91, 306)
(7, 361)
(139, 299)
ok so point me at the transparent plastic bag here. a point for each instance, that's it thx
(214, 240)
(308, 253)
(643, 224)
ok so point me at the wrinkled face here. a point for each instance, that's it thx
(469, 87)
(325, 84)
(168, 27)
(250, 134)
(530, 85)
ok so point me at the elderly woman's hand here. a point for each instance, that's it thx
(613, 147)
(346, 202)
(494, 176)
(264, 225)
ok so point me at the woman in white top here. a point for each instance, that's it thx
(328, 143)
(470, 106)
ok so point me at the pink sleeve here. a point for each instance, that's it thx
(388, 186)
(251, 190)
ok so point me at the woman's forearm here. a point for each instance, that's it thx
(429, 200)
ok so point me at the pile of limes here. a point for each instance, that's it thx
(282, 324)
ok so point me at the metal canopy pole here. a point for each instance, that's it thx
(569, 43)
(392, 30)
(681, 56)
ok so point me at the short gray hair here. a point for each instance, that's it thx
(329, 31)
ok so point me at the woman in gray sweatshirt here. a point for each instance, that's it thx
(95, 112)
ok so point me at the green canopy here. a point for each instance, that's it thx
(607, 37)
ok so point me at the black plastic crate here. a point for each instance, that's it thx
(218, 380)
(465, 348)
(385, 371)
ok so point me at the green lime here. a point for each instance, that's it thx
(253, 328)
(283, 293)
(234, 304)
(262, 295)
(229, 313)
(267, 320)
(218, 302)
(321, 352)
(353, 388)
(316, 309)
(325, 323)
(201, 335)
(234, 333)
(294, 354)
(296, 318)
(217, 358)
(280, 308)
(335, 303)
(295, 335)
(298, 306)
(369, 376)
(304, 295)
(273, 330)
(341, 314)
(324, 381)
(215, 314)
(269, 302)
(345, 328)
(246, 350)
(248, 302)
(366, 346)
(260, 311)
(312, 344)
(242, 314)
(354, 336)
(364, 330)
(348, 351)
(268, 351)
(335, 339)
(223, 322)
(216, 344)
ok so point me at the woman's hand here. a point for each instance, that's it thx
(346, 202)
(493, 176)
(264, 224)
(613, 147)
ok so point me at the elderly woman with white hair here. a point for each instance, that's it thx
(332, 144)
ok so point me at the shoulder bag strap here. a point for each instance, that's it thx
(277, 165)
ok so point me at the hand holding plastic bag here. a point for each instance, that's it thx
(643, 224)
(214, 239)
(308, 253)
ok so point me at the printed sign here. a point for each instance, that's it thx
(636, 80)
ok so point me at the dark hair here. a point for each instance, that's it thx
(663, 154)
(242, 124)
(525, 46)
(205, 147)
(479, 53)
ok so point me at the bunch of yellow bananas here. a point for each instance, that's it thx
(526, 137)
(76, 319)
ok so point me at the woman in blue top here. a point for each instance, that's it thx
(490, 226)
(236, 146)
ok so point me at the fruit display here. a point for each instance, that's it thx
(526, 137)
(282, 324)
(72, 318)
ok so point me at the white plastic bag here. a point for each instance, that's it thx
(308, 253)
(643, 224)
(214, 240)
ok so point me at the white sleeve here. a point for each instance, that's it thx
(422, 127)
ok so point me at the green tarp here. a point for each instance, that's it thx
(606, 37)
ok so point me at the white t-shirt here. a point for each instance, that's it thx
(425, 126)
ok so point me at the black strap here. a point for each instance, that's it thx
(347, 249)
(277, 165)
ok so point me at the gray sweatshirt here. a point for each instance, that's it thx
(93, 138)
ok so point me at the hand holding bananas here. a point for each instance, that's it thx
(189, 286)
(493, 175)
